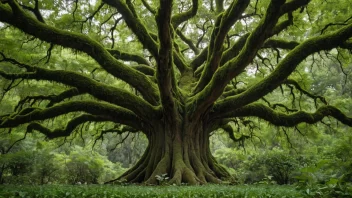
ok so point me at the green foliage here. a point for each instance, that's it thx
(88, 167)
(332, 175)
(260, 191)
(279, 164)
(42, 163)
(267, 167)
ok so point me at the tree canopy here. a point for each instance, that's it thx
(174, 70)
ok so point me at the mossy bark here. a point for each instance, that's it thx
(184, 155)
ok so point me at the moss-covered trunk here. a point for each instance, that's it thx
(181, 152)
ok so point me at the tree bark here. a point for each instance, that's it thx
(184, 155)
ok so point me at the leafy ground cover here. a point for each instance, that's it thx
(148, 191)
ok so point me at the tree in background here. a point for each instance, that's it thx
(188, 68)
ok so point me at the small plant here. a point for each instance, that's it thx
(268, 179)
(162, 178)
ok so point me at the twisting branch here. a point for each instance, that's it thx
(70, 127)
(275, 43)
(128, 56)
(275, 105)
(115, 113)
(35, 10)
(136, 25)
(223, 24)
(300, 89)
(84, 85)
(184, 16)
(285, 67)
(82, 43)
(53, 99)
(231, 69)
(90, 17)
(229, 130)
(188, 41)
(146, 5)
(238, 46)
(119, 130)
(287, 120)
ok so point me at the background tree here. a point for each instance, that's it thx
(175, 71)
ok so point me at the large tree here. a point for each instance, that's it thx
(194, 66)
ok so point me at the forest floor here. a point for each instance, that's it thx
(214, 191)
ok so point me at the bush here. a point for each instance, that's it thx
(89, 167)
(16, 167)
(274, 165)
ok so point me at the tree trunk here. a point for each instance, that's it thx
(184, 155)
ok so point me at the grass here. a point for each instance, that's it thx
(213, 191)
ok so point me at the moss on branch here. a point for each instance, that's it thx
(184, 16)
(136, 25)
(108, 111)
(53, 99)
(85, 84)
(285, 67)
(25, 22)
(293, 5)
(287, 120)
(147, 70)
(223, 24)
(70, 127)
(128, 56)
(282, 44)
(227, 72)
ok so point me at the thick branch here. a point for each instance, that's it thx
(145, 69)
(238, 46)
(87, 85)
(165, 73)
(188, 41)
(226, 73)
(222, 26)
(219, 5)
(136, 25)
(182, 17)
(287, 120)
(128, 56)
(146, 5)
(70, 127)
(285, 68)
(293, 5)
(53, 99)
(20, 19)
(114, 113)
(275, 43)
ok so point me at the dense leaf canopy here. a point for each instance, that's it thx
(136, 64)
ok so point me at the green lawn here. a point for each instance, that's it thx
(148, 191)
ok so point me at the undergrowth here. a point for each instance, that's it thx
(7, 191)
